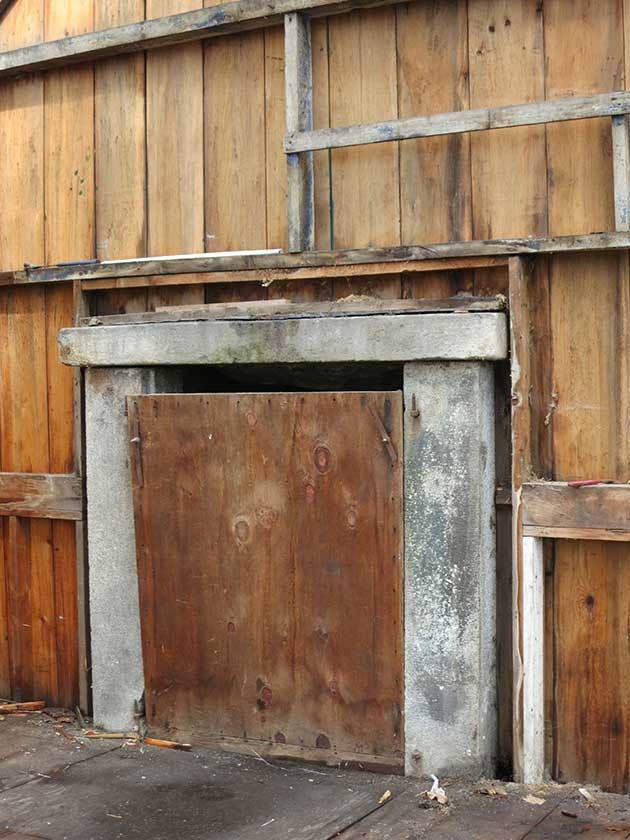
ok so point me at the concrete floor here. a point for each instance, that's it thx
(56, 784)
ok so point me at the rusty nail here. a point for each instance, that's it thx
(415, 411)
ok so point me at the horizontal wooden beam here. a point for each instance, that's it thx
(41, 496)
(576, 534)
(595, 512)
(181, 28)
(459, 122)
(279, 266)
(271, 310)
(267, 276)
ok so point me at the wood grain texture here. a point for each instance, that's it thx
(592, 688)
(283, 622)
(299, 117)
(433, 73)
(5, 647)
(362, 63)
(605, 506)
(200, 24)
(507, 66)
(120, 150)
(49, 496)
(235, 143)
(585, 55)
(175, 151)
(321, 119)
(520, 368)
(195, 264)
(275, 126)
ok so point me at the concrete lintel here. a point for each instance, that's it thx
(450, 679)
(117, 672)
(371, 338)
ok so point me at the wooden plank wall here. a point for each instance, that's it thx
(180, 151)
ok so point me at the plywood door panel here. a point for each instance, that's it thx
(268, 530)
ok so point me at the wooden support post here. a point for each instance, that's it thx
(621, 170)
(521, 461)
(299, 117)
(81, 310)
(533, 660)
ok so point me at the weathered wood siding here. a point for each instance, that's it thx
(180, 150)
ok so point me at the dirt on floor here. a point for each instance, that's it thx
(56, 783)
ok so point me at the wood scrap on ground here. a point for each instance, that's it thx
(167, 745)
(111, 736)
(16, 708)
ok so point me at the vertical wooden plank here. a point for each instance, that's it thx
(5, 657)
(70, 234)
(19, 607)
(175, 151)
(621, 170)
(321, 119)
(505, 49)
(507, 66)
(21, 25)
(593, 663)
(585, 55)
(120, 148)
(363, 89)
(174, 142)
(275, 129)
(120, 142)
(435, 182)
(299, 117)
(533, 661)
(235, 142)
(69, 141)
(521, 460)
(64, 551)
(23, 421)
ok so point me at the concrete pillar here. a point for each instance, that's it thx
(450, 660)
(117, 675)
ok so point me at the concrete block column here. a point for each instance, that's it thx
(117, 673)
(450, 661)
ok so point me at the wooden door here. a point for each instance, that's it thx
(269, 543)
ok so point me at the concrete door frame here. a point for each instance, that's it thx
(449, 637)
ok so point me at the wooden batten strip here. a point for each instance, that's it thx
(555, 505)
(328, 261)
(223, 19)
(460, 122)
(621, 170)
(521, 375)
(41, 496)
(298, 71)
(533, 661)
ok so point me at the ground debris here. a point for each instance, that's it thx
(491, 789)
(59, 715)
(533, 800)
(590, 799)
(385, 797)
(436, 793)
(111, 736)
(167, 745)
